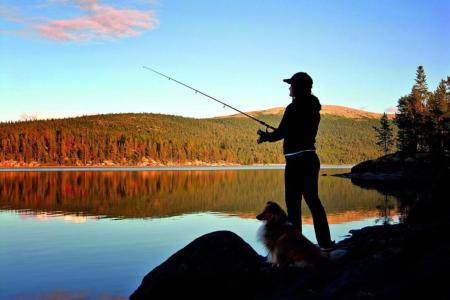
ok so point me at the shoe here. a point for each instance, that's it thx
(329, 247)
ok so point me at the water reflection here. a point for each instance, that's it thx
(386, 211)
(149, 194)
(44, 216)
(68, 295)
(63, 237)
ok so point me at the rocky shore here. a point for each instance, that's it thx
(111, 164)
(384, 262)
(404, 261)
(400, 168)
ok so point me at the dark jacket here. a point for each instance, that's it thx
(299, 125)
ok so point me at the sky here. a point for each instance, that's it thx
(61, 58)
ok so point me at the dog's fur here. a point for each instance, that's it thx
(285, 243)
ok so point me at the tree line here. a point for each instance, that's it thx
(152, 139)
(422, 119)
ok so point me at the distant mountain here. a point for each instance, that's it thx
(335, 110)
(345, 136)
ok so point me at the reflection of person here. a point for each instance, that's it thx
(298, 128)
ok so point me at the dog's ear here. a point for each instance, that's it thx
(273, 205)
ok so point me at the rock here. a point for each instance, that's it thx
(403, 261)
(401, 175)
(415, 166)
(218, 265)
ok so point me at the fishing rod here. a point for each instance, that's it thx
(217, 100)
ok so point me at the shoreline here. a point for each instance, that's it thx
(160, 168)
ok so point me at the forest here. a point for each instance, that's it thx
(423, 117)
(147, 139)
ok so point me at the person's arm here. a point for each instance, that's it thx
(277, 134)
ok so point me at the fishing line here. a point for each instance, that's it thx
(215, 99)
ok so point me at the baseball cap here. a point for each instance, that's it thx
(300, 78)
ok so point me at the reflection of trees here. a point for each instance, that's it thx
(385, 212)
(406, 193)
(137, 194)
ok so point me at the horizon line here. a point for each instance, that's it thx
(36, 117)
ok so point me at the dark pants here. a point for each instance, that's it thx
(301, 179)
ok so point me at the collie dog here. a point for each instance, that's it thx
(285, 243)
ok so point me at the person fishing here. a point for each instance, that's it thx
(298, 128)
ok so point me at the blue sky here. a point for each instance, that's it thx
(73, 57)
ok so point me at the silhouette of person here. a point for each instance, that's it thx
(298, 128)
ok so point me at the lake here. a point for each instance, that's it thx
(85, 234)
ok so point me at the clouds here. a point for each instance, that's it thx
(97, 21)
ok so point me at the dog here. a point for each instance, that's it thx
(285, 243)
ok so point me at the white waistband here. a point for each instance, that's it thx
(298, 152)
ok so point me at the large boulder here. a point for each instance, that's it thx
(218, 265)
(221, 265)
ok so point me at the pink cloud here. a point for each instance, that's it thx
(99, 22)
(103, 21)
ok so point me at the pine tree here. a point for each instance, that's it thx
(420, 97)
(406, 138)
(420, 88)
(434, 119)
(384, 134)
(410, 117)
(446, 119)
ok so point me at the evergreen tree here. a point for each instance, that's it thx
(420, 98)
(435, 122)
(420, 88)
(406, 138)
(410, 117)
(384, 134)
(446, 118)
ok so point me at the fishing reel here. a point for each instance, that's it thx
(262, 135)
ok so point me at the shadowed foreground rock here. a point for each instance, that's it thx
(404, 261)
(216, 265)
(221, 265)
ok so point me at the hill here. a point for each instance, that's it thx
(335, 110)
(155, 139)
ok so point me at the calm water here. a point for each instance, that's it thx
(85, 234)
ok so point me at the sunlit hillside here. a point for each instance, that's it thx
(155, 139)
